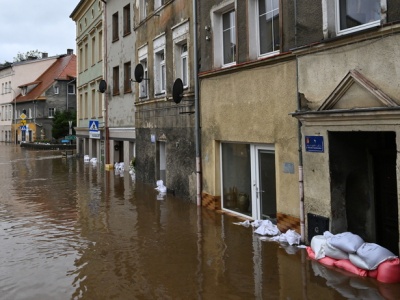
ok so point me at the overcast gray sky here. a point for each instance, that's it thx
(42, 25)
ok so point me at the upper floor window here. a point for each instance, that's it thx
(268, 26)
(116, 80)
(127, 77)
(115, 28)
(143, 9)
(56, 89)
(224, 24)
(160, 74)
(229, 37)
(180, 35)
(347, 16)
(158, 3)
(52, 112)
(127, 19)
(184, 65)
(357, 14)
(71, 89)
(143, 86)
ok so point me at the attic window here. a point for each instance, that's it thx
(24, 90)
(56, 89)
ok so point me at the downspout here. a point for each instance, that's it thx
(196, 103)
(105, 111)
(301, 182)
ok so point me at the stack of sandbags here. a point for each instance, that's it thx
(349, 252)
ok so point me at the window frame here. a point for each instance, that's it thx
(159, 67)
(127, 19)
(115, 27)
(180, 36)
(51, 112)
(116, 90)
(127, 77)
(340, 31)
(217, 24)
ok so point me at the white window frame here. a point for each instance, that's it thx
(73, 89)
(158, 3)
(352, 29)
(159, 66)
(180, 36)
(51, 112)
(56, 89)
(143, 9)
(254, 31)
(143, 60)
(216, 22)
(331, 18)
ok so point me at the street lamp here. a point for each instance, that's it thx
(15, 110)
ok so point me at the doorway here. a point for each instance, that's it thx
(161, 162)
(364, 186)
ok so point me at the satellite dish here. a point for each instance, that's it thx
(102, 86)
(177, 90)
(139, 72)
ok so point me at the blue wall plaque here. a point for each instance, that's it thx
(314, 143)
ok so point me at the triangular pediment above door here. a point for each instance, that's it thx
(356, 91)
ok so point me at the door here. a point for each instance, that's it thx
(265, 183)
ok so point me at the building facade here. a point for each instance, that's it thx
(165, 123)
(120, 94)
(88, 16)
(349, 111)
(11, 77)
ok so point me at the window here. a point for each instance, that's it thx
(159, 65)
(268, 26)
(159, 73)
(100, 45)
(86, 56)
(93, 50)
(184, 65)
(127, 19)
(180, 34)
(158, 3)
(115, 28)
(143, 9)
(80, 59)
(71, 89)
(346, 16)
(143, 86)
(229, 37)
(127, 77)
(93, 106)
(116, 80)
(56, 89)
(52, 111)
(357, 14)
(224, 33)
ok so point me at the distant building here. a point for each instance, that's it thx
(52, 91)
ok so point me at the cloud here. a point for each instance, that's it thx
(42, 25)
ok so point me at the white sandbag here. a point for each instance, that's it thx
(334, 252)
(369, 256)
(346, 241)
(291, 237)
(267, 228)
(318, 243)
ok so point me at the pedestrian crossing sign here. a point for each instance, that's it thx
(93, 125)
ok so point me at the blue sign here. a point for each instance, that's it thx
(93, 125)
(314, 143)
(22, 127)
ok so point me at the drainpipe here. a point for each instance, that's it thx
(301, 183)
(105, 111)
(196, 103)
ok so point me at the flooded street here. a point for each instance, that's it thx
(70, 230)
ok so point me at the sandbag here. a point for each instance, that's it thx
(346, 241)
(334, 252)
(370, 255)
(318, 243)
(326, 261)
(389, 271)
(346, 265)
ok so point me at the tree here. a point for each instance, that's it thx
(61, 125)
(33, 54)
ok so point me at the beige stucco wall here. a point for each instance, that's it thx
(252, 106)
(319, 74)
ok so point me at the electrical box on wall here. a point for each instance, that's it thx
(317, 225)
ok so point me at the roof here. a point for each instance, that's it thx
(64, 68)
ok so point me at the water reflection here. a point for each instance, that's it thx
(71, 230)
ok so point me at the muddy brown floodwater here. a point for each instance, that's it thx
(71, 230)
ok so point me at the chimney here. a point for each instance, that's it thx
(45, 55)
(70, 51)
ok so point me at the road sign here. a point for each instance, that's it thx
(70, 137)
(93, 125)
(22, 116)
(22, 127)
(23, 122)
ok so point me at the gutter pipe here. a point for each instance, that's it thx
(196, 103)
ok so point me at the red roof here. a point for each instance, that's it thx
(64, 68)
